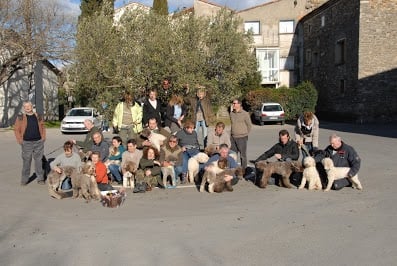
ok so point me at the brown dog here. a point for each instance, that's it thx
(84, 183)
(55, 180)
(284, 169)
(215, 176)
(129, 171)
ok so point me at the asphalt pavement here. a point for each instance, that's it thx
(249, 226)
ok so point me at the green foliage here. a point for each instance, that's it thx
(294, 100)
(90, 7)
(145, 47)
(160, 7)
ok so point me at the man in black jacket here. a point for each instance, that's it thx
(342, 155)
(284, 150)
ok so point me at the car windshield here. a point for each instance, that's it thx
(271, 108)
(80, 112)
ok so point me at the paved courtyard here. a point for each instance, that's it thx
(250, 226)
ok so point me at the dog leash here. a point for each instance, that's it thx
(53, 151)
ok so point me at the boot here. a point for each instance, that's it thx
(340, 183)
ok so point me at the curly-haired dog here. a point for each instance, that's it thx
(84, 183)
(284, 169)
(168, 171)
(155, 138)
(194, 163)
(334, 173)
(129, 174)
(55, 180)
(215, 176)
(310, 174)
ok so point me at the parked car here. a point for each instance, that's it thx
(270, 112)
(74, 119)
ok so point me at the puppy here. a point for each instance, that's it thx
(156, 139)
(334, 173)
(215, 176)
(284, 169)
(193, 165)
(84, 183)
(113, 151)
(129, 174)
(310, 174)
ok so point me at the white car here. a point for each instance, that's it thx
(270, 112)
(73, 122)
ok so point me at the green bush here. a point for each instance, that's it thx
(294, 100)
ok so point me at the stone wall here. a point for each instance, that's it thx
(358, 87)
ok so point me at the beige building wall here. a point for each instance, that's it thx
(282, 44)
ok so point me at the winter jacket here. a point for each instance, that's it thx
(289, 150)
(136, 113)
(20, 127)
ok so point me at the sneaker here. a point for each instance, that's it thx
(23, 184)
(171, 186)
(252, 161)
(41, 182)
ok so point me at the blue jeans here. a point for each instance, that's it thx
(186, 156)
(115, 170)
(66, 184)
(204, 129)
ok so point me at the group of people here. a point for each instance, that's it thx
(179, 143)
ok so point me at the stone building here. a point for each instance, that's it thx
(38, 85)
(273, 26)
(348, 49)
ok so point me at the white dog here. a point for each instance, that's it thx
(334, 173)
(193, 165)
(310, 174)
(155, 138)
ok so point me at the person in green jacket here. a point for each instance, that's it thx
(127, 118)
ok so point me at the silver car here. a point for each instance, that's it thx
(270, 112)
(73, 122)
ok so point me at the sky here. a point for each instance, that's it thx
(73, 6)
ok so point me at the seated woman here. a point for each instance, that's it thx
(149, 170)
(171, 160)
(187, 139)
(100, 172)
(114, 160)
(67, 158)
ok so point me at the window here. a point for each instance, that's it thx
(253, 26)
(286, 26)
(308, 57)
(322, 21)
(340, 52)
(268, 60)
(342, 86)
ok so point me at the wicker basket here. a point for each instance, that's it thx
(113, 199)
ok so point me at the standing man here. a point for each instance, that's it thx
(240, 128)
(127, 118)
(30, 134)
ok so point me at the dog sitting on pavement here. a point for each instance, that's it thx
(129, 171)
(84, 184)
(310, 174)
(215, 175)
(334, 173)
(55, 180)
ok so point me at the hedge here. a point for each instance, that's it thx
(294, 100)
